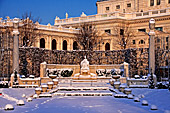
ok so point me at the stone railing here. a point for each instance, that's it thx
(76, 68)
(9, 22)
(55, 28)
(114, 15)
(29, 82)
(137, 83)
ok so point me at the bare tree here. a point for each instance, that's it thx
(88, 37)
(28, 30)
(123, 33)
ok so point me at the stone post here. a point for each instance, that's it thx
(16, 45)
(151, 46)
(43, 67)
(126, 69)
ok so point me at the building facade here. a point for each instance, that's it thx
(116, 21)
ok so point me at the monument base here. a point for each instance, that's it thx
(91, 76)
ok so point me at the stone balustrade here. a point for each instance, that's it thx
(137, 83)
(114, 15)
(29, 82)
(9, 22)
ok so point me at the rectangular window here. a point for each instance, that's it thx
(108, 31)
(142, 30)
(118, 7)
(129, 5)
(158, 2)
(107, 8)
(159, 28)
(134, 42)
(167, 47)
(121, 32)
(167, 39)
(151, 2)
(158, 40)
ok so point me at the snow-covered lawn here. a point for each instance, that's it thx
(59, 104)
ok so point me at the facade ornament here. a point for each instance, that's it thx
(83, 15)
(66, 15)
(57, 18)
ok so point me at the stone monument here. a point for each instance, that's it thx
(85, 71)
(85, 67)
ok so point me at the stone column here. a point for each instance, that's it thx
(152, 46)
(16, 45)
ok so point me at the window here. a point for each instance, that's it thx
(142, 30)
(134, 42)
(141, 42)
(107, 8)
(108, 31)
(158, 2)
(42, 43)
(141, 63)
(159, 28)
(167, 39)
(75, 46)
(169, 1)
(151, 2)
(129, 5)
(158, 40)
(64, 45)
(0, 42)
(53, 44)
(141, 51)
(107, 47)
(167, 47)
(118, 7)
(121, 32)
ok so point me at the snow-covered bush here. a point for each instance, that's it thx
(66, 73)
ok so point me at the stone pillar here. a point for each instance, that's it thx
(152, 46)
(16, 45)
(126, 69)
(43, 67)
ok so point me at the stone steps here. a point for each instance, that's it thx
(82, 88)
(82, 94)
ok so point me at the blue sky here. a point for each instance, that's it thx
(47, 10)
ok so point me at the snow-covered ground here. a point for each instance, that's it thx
(158, 97)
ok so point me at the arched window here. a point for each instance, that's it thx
(42, 43)
(53, 44)
(64, 45)
(75, 46)
(24, 41)
(107, 47)
(141, 42)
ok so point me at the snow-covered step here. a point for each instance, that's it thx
(120, 96)
(83, 94)
(82, 88)
(138, 86)
(45, 95)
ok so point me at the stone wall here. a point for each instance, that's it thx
(30, 59)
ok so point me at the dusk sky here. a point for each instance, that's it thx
(47, 10)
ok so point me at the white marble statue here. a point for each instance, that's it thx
(85, 65)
